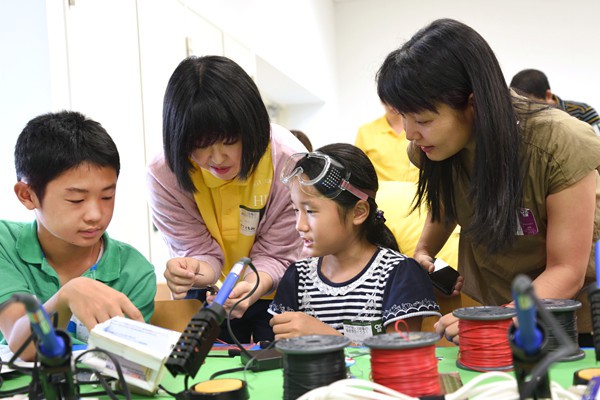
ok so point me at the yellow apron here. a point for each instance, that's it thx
(232, 209)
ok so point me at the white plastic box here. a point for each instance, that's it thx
(141, 350)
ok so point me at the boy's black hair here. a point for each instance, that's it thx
(364, 177)
(212, 99)
(53, 143)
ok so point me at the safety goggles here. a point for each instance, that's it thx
(316, 169)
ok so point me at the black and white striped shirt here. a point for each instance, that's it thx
(390, 287)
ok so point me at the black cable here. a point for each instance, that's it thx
(220, 356)
(15, 357)
(251, 360)
(250, 293)
(121, 378)
(230, 330)
(34, 387)
(11, 364)
(167, 391)
(225, 371)
(107, 387)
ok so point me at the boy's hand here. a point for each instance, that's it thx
(293, 324)
(93, 302)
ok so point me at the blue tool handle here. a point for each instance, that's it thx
(230, 281)
(528, 336)
(51, 344)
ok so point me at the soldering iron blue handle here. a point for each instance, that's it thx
(528, 336)
(230, 281)
(51, 345)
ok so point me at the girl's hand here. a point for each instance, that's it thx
(293, 324)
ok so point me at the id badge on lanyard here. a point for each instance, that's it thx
(78, 330)
(527, 224)
(359, 331)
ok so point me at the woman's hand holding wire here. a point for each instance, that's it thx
(447, 327)
(240, 290)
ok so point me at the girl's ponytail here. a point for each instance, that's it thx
(364, 177)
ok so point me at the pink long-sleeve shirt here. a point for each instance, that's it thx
(175, 214)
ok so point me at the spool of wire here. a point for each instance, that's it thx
(405, 362)
(563, 311)
(483, 333)
(310, 362)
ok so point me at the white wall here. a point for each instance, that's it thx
(557, 37)
(111, 59)
(24, 86)
(298, 39)
(319, 57)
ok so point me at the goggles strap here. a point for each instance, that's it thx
(345, 185)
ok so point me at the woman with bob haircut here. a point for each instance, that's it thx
(519, 177)
(215, 195)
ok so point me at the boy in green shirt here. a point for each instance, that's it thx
(67, 168)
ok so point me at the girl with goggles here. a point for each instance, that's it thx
(355, 282)
(319, 170)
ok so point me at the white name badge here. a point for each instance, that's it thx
(249, 220)
(359, 331)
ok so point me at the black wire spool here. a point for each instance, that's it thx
(310, 362)
(563, 311)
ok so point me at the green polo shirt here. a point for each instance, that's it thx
(24, 269)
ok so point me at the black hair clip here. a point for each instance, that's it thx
(379, 216)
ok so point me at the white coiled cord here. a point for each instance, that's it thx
(504, 387)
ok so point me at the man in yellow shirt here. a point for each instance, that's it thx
(385, 143)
